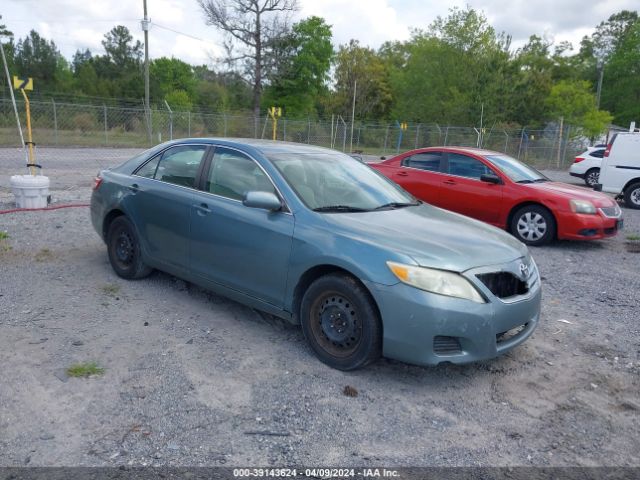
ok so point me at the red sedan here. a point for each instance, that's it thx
(504, 192)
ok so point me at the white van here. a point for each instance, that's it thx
(620, 170)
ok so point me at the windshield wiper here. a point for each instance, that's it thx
(340, 208)
(397, 205)
(526, 180)
(541, 180)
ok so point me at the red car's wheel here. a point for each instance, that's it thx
(533, 225)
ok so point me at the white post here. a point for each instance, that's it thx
(353, 112)
(13, 99)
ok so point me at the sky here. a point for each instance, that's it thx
(81, 24)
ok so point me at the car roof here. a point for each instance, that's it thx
(470, 150)
(264, 146)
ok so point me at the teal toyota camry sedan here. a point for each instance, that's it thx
(320, 239)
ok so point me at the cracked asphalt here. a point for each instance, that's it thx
(194, 379)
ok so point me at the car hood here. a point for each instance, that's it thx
(571, 191)
(431, 236)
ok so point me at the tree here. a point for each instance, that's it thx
(36, 57)
(575, 102)
(120, 48)
(169, 75)
(302, 70)
(255, 26)
(354, 63)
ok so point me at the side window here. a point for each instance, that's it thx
(179, 165)
(464, 166)
(148, 170)
(424, 161)
(233, 174)
(598, 153)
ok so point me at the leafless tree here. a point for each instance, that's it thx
(252, 27)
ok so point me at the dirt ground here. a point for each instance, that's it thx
(192, 379)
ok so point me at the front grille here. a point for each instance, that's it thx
(611, 212)
(509, 334)
(446, 346)
(503, 284)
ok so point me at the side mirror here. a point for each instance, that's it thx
(490, 178)
(264, 200)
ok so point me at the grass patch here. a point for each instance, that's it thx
(633, 237)
(3, 235)
(44, 255)
(83, 370)
(111, 289)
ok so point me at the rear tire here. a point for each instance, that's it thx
(591, 177)
(533, 225)
(341, 322)
(632, 196)
(124, 250)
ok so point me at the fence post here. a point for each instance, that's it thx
(224, 121)
(309, 130)
(566, 142)
(106, 135)
(521, 139)
(284, 130)
(189, 122)
(170, 120)
(55, 121)
(417, 134)
(559, 142)
(386, 137)
(506, 141)
(446, 134)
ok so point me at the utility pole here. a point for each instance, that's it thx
(353, 113)
(601, 74)
(145, 27)
(560, 141)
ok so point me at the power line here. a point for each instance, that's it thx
(184, 34)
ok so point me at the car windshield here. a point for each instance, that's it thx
(516, 170)
(334, 182)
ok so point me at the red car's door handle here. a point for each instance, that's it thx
(449, 182)
(402, 174)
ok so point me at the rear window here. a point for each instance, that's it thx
(598, 153)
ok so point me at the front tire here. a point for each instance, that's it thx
(533, 225)
(341, 322)
(591, 177)
(632, 196)
(124, 250)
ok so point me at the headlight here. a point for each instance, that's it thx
(436, 281)
(582, 206)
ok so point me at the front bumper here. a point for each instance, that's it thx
(573, 226)
(423, 328)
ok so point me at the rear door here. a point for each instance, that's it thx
(160, 198)
(420, 174)
(463, 191)
(245, 249)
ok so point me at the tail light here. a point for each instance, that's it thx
(607, 150)
(96, 182)
(578, 159)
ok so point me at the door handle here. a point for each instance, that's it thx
(203, 209)
(134, 188)
(402, 174)
(449, 182)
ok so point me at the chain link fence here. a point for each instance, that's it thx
(56, 124)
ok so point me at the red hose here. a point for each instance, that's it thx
(57, 207)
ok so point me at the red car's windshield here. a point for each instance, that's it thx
(516, 170)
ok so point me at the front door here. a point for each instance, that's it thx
(419, 174)
(246, 249)
(464, 192)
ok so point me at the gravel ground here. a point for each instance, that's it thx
(194, 379)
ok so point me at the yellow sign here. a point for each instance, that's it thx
(275, 112)
(404, 126)
(22, 83)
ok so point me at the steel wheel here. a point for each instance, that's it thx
(632, 196)
(341, 322)
(124, 250)
(336, 327)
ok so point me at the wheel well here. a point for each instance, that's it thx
(524, 204)
(111, 216)
(312, 275)
(630, 182)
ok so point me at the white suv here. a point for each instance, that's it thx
(620, 170)
(587, 165)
